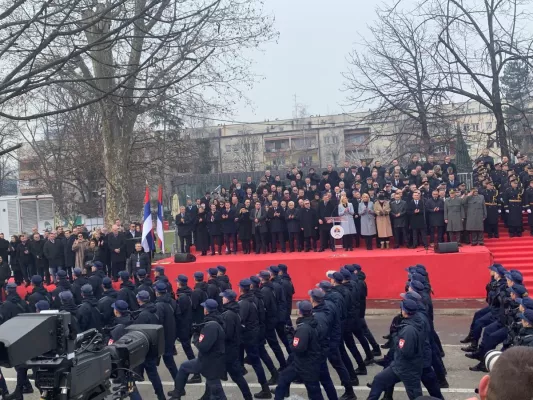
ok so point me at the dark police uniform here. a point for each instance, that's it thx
(211, 354)
(271, 306)
(250, 334)
(307, 357)
(184, 320)
(493, 207)
(88, 315)
(127, 291)
(408, 358)
(283, 307)
(147, 314)
(105, 303)
(512, 200)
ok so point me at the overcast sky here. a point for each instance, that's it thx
(315, 38)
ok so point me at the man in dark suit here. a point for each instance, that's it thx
(452, 183)
(185, 224)
(326, 210)
(206, 200)
(259, 227)
(192, 211)
(117, 248)
(435, 209)
(398, 212)
(309, 226)
(363, 171)
(415, 209)
(276, 216)
(229, 227)
(131, 235)
(448, 164)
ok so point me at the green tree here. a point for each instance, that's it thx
(517, 88)
(462, 158)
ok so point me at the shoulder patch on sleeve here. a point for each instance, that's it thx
(201, 338)
(401, 343)
(295, 341)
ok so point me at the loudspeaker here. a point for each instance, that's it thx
(452, 247)
(184, 258)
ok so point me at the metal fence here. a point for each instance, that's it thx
(195, 186)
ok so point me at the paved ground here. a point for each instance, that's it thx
(450, 327)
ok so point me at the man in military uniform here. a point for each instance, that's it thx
(528, 204)
(454, 215)
(476, 213)
(512, 200)
(493, 210)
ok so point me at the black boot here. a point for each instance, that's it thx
(369, 360)
(16, 395)
(381, 362)
(348, 394)
(376, 351)
(470, 349)
(480, 367)
(196, 378)
(386, 345)
(27, 389)
(354, 381)
(467, 339)
(173, 394)
(473, 356)
(443, 383)
(264, 393)
(361, 370)
(274, 379)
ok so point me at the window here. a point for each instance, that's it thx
(334, 139)
(235, 148)
(475, 127)
(326, 140)
(228, 148)
(255, 147)
(488, 126)
(466, 127)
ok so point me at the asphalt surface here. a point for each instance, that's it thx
(451, 329)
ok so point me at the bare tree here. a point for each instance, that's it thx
(396, 76)
(248, 155)
(476, 40)
(127, 57)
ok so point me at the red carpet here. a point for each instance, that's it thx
(456, 275)
(514, 253)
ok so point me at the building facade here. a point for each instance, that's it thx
(317, 141)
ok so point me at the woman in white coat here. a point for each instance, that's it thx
(368, 220)
(346, 212)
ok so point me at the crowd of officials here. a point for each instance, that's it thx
(421, 204)
(231, 326)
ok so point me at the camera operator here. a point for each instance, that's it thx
(105, 303)
(88, 315)
(211, 358)
(147, 314)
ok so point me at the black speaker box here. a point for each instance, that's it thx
(451, 247)
(184, 258)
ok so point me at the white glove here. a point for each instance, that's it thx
(507, 211)
(499, 211)
(529, 211)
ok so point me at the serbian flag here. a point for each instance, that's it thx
(147, 236)
(159, 227)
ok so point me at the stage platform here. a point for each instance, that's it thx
(454, 275)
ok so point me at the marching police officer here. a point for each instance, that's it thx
(332, 309)
(121, 313)
(39, 293)
(525, 335)
(106, 301)
(62, 284)
(78, 282)
(327, 321)
(159, 273)
(127, 291)
(250, 322)
(263, 321)
(288, 289)
(95, 280)
(232, 331)
(88, 315)
(184, 319)
(198, 297)
(213, 289)
(143, 282)
(283, 307)
(408, 356)
(167, 310)
(67, 304)
(147, 314)
(307, 356)
(211, 358)
(271, 307)
(223, 279)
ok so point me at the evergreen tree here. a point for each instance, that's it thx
(517, 88)
(462, 158)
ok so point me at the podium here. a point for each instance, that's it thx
(336, 231)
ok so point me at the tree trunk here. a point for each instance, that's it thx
(500, 127)
(117, 136)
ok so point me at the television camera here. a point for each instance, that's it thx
(81, 366)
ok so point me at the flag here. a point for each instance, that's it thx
(147, 236)
(159, 226)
